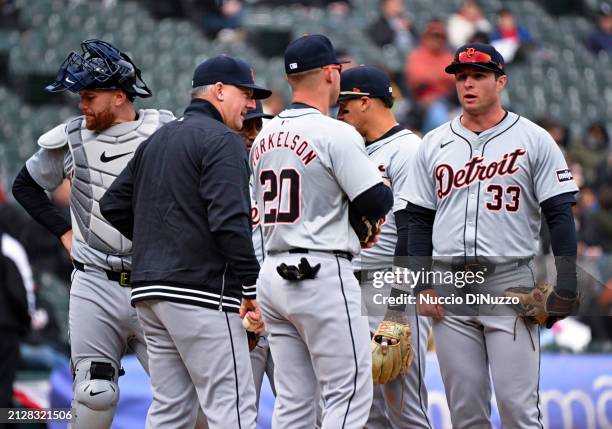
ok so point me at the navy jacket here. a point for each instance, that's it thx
(184, 201)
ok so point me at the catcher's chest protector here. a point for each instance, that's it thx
(98, 159)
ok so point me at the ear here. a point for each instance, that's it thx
(501, 81)
(365, 103)
(120, 98)
(327, 72)
(219, 91)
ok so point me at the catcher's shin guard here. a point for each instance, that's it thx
(96, 393)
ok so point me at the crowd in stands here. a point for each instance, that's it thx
(430, 95)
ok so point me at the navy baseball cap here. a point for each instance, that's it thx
(309, 52)
(228, 70)
(364, 81)
(477, 55)
(257, 112)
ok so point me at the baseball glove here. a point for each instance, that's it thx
(252, 337)
(386, 367)
(542, 305)
(367, 229)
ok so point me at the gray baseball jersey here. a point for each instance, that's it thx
(392, 156)
(306, 167)
(102, 324)
(401, 403)
(486, 189)
(483, 184)
(258, 242)
(304, 179)
(92, 160)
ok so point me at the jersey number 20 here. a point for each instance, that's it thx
(281, 197)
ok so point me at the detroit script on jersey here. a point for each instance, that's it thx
(487, 188)
(475, 170)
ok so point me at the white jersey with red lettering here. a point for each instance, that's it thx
(306, 166)
(487, 188)
(393, 154)
(258, 243)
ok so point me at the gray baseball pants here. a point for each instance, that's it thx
(197, 354)
(474, 350)
(317, 337)
(401, 403)
(102, 325)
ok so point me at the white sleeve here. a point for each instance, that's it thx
(551, 175)
(352, 167)
(399, 172)
(47, 167)
(422, 189)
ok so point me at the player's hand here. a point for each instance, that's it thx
(66, 240)
(250, 309)
(435, 311)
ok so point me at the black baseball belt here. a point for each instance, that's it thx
(474, 265)
(340, 253)
(121, 277)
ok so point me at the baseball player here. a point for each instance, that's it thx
(366, 100)
(479, 186)
(261, 359)
(91, 150)
(306, 167)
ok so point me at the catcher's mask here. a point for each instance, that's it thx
(99, 66)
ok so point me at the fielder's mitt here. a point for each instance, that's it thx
(397, 360)
(367, 229)
(252, 337)
(542, 305)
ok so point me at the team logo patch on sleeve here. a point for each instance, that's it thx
(564, 175)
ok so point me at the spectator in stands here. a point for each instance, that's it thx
(14, 312)
(335, 7)
(465, 23)
(603, 175)
(9, 13)
(343, 56)
(430, 86)
(601, 38)
(602, 219)
(41, 349)
(597, 138)
(564, 7)
(480, 37)
(393, 27)
(558, 132)
(222, 16)
(510, 38)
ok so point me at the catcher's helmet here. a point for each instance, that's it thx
(99, 66)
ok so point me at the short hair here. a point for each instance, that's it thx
(294, 78)
(387, 101)
(200, 90)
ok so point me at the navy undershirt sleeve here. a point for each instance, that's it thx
(401, 223)
(375, 202)
(560, 220)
